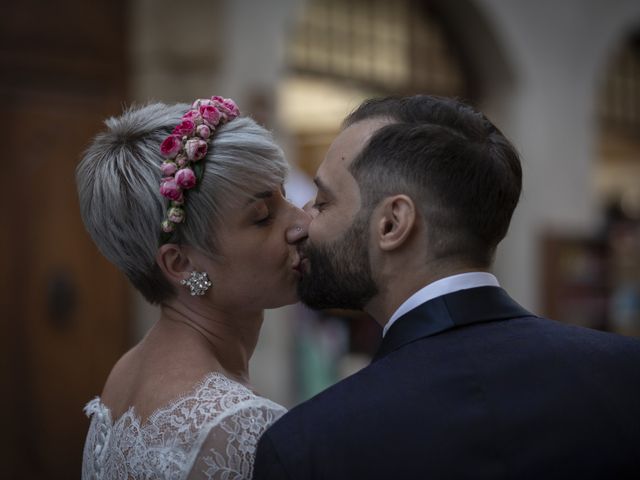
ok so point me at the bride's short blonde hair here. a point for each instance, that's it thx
(118, 182)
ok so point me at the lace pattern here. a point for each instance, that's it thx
(211, 433)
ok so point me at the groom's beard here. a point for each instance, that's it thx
(339, 274)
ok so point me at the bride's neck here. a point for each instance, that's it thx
(230, 338)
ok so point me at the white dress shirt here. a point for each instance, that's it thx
(454, 283)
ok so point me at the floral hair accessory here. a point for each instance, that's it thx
(183, 150)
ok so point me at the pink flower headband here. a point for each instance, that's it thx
(183, 150)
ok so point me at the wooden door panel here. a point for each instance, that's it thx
(65, 309)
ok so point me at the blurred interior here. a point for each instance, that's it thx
(561, 80)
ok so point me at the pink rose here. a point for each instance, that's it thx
(195, 149)
(194, 116)
(203, 131)
(168, 169)
(167, 226)
(185, 178)
(175, 215)
(187, 127)
(181, 161)
(210, 115)
(200, 102)
(224, 111)
(170, 190)
(227, 107)
(171, 146)
(233, 110)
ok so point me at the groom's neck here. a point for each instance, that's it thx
(397, 285)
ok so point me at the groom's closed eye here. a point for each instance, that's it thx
(319, 205)
(322, 197)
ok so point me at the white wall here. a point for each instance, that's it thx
(255, 36)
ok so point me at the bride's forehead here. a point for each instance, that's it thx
(248, 197)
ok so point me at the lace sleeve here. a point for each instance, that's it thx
(228, 451)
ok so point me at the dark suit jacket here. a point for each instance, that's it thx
(471, 386)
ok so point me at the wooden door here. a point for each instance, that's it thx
(64, 311)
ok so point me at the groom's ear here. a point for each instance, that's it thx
(395, 222)
(174, 262)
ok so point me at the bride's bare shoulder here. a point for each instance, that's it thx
(148, 381)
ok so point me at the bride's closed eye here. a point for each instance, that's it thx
(266, 220)
(262, 214)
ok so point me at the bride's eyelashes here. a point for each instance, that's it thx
(263, 222)
(267, 208)
(261, 213)
(263, 216)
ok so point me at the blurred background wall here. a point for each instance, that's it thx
(561, 79)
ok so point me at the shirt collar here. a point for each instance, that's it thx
(453, 283)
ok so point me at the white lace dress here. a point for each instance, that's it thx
(210, 433)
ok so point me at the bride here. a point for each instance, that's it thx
(188, 202)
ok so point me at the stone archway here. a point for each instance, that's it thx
(550, 115)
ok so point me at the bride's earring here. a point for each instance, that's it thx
(198, 283)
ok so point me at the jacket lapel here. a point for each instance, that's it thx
(464, 307)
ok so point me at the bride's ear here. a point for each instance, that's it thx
(174, 262)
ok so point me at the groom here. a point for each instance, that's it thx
(413, 197)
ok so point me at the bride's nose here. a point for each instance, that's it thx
(298, 229)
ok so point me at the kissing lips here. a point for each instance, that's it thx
(299, 263)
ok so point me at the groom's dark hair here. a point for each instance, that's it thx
(458, 167)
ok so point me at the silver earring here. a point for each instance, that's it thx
(198, 283)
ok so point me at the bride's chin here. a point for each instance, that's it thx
(287, 298)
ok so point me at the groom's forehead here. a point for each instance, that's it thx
(350, 142)
(334, 179)
(347, 145)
